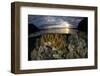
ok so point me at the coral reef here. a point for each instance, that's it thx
(51, 46)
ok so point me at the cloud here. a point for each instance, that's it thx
(40, 20)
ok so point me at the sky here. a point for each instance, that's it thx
(43, 21)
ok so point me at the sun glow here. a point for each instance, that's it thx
(65, 24)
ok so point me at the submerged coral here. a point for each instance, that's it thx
(51, 46)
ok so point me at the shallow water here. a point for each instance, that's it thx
(57, 44)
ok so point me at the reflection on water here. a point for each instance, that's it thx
(55, 30)
(58, 44)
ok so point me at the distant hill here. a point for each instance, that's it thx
(83, 25)
(32, 28)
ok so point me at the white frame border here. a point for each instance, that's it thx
(25, 64)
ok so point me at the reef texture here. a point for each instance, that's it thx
(50, 46)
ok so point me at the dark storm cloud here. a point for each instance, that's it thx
(55, 20)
